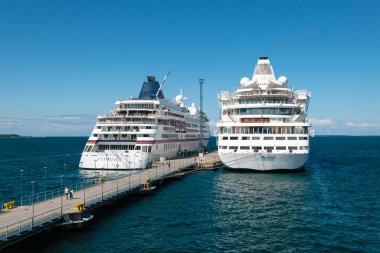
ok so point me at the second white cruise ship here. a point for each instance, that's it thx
(263, 123)
(140, 130)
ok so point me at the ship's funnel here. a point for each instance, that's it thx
(263, 70)
(150, 88)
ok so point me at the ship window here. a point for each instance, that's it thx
(256, 148)
(233, 147)
(149, 149)
(225, 138)
(280, 138)
(302, 138)
(223, 147)
(244, 148)
(233, 138)
(304, 148)
(292, 138)
(245, 138)
(268, 138)
(292, 148)
(268, 148)
(280, 148)
(144, 149)
(138, 148)
(255, 138)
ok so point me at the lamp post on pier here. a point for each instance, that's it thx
(142, 170)
(84, 189)
(65, 165)
(102, 182)
(32, 203)
(45, 168)
(129, 176)
(61, 194)
(85, 184)
(107, 166)
(117, 178)
(22, 172)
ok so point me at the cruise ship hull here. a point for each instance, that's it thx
(132, 159)
(115, 160)
(263, 161)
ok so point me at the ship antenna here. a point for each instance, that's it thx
(162, 83)
(201, 146)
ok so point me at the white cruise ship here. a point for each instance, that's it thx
(140, 130)
(264, 123)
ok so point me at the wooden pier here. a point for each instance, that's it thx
(24, 221)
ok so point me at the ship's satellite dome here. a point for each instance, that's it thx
(179, 99)
(192, 109)
(283, 79)
(244, 80)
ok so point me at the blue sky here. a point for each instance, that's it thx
(63, 62)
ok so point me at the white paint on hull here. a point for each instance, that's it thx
(263, 161)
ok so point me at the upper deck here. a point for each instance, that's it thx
(264, 100)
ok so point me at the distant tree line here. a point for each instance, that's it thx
(10, 136)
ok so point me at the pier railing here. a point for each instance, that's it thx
(57, 192)
(84, 183)
(29, 224)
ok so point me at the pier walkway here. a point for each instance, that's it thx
(24, 221)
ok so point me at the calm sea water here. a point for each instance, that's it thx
(331, 206)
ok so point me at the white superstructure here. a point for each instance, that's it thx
(263, 123)
(140, 130)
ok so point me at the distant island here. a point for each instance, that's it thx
(13, 136)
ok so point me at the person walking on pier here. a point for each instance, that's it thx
(67, 193)
(71, 193)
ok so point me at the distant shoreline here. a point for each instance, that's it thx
(14, 136)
